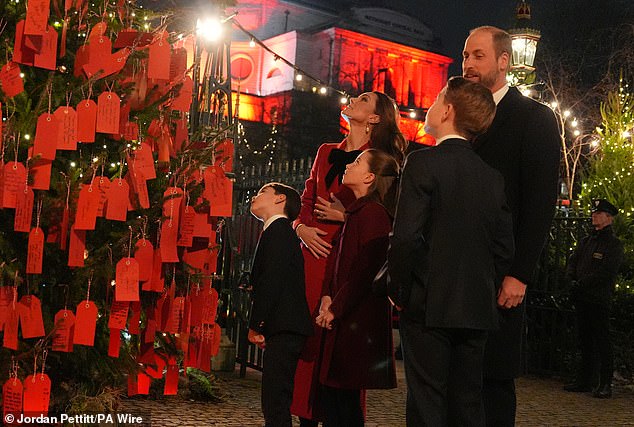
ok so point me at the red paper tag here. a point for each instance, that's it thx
(131, 131)
(127, 280)
(144, 254)
(14, 177)
(100, 50)
(202, 225)
(41, 174)
(157, 282)
(118, 315)
(12, 398)
(37, 394)
(224, 155)
(87, 207)
(10, 79)
(46, 136)
(187, 227)
(108, 109)
(64, 331)
(117, 195)
(171, 378)
(67, 119)
(114, 344)
(6, 301)
(178, 64)
(169, 235)
(144, 161)
(85, 324)
(82, 57)
(31, 317)
(102, 183)
(10, 339)
(143, 383)
(159, 60)
(135, 320)
(35, 251)
(37, 13)
(139, 185)
(218, 191)
(23, 209)
(86, 121)
(209, 306)
(21, 54)
(47, 56)
(77, 247)
(181, 136)
(125, 38)
(175, 321)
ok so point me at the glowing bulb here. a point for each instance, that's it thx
(627, 134)
(112, 165)
(323, 90)
(412, 114)
(574, 123)
(209, 28)
(299, 77)
(252, 43)
(343, 100)
(21, 75)
(567, 113)
(554, 104)
(95, 159)
(73, 164)
(577, 132)
(27, 137)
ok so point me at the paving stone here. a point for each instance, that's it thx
(541, 402)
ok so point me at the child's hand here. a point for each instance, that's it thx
(257, 339)
(325, 304)
(325, 320)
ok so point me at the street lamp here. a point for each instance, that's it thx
(524, 44)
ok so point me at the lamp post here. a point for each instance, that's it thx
(524, 44)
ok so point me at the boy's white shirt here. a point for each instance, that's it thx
(271, 219)
(450, 136)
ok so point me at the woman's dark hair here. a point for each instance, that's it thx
(385, 186)
(385, 134)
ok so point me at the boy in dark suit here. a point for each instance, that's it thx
(451, 245)
(280, 320)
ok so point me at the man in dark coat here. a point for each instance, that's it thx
(593, 267)
(523, 144)
(280, 320)
(452, 243)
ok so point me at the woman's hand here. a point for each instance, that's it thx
(330, 211)
(310, 236)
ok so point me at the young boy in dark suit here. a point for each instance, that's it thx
(280, 319)
(451, 245)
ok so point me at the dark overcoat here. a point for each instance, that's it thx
(523, 144)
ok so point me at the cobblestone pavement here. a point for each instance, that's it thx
(541, 402)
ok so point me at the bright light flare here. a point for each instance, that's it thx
(209, 28)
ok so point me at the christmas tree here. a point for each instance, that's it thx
(113, 184)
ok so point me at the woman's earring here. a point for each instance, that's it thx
(367, 128)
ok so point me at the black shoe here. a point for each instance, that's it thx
(603, 391)
(577, 387)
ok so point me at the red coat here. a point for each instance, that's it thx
(358, 352)
(306, 375)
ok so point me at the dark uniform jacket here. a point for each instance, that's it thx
(277, 275)
(594, 266)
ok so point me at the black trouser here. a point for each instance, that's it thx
(593, 324)
(278, 375)
(343, 407)
(500, 402)
(443, 367)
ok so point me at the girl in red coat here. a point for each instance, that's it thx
(373, 118)
(358, 351)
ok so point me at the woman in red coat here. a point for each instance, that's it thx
(373, 118)
(358, 353)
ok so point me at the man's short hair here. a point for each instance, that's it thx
(501, 40)
(293, 199)
(473, 104)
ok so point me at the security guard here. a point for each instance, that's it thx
(594, 267)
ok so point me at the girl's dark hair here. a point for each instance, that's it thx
(385, 134)
(385, 186)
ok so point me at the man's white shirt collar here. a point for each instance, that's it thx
(499, 94)
(439, 140)
(271, 219)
